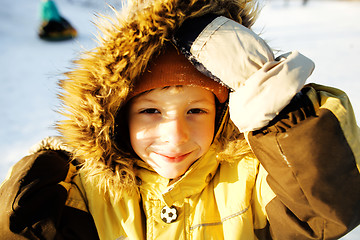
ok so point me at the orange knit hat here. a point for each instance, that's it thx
(172, 69)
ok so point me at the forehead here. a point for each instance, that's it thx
(185, 93)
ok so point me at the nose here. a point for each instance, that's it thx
(175, 131)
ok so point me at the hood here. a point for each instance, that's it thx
(95, 90)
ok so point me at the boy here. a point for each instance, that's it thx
(229, 146)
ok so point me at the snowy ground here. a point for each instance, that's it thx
(326, 31)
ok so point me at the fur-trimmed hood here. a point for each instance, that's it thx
(94, 91)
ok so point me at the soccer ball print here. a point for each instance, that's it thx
(169, 214)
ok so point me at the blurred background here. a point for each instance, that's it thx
(327, 31)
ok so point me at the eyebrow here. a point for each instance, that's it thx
(155, 101)
(148, 100)
(191, 102)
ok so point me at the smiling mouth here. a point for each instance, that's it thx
(173, 159)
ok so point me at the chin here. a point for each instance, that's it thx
(170, 175)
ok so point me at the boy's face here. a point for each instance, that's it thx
(171, 128)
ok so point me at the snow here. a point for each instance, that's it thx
(326, 31)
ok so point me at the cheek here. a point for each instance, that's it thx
(141, 136)
(135, 135)
(204, 133)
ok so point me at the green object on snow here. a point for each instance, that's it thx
(49, 11)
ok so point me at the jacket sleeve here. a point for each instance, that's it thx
(33, 201)
(311, 154)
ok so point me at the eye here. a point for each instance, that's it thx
(196, 111)
(150, 111)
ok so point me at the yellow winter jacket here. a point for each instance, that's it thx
(213, 201)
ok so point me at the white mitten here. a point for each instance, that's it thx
(268, 91)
